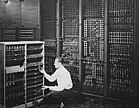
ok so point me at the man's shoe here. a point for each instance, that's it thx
(61, 105)
(42, 102)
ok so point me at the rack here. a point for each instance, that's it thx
(99, 42)
(48, 32)
(121, 49)
(20, 76)
(70, 38)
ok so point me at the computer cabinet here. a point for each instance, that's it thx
(70, 39)
(20, 79)
(94, 46)
(84, 43)
(121, 49)
(99, 45)
(99, 42)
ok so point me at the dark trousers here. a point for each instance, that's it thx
(57, 96)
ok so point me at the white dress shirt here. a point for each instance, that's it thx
(63, 78)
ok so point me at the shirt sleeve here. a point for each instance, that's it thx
(60, 86)
(52, 77)
(56, 88)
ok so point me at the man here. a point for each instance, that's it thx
(64, 81)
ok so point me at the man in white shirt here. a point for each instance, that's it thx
(63, 78)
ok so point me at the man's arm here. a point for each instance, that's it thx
(47, 76)
(55, 88)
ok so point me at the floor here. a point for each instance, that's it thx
(83, 103)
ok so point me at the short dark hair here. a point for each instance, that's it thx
(60, 59)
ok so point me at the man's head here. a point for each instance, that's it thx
(58, 62)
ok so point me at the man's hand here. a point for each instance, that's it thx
(41, 70)
(45, 87)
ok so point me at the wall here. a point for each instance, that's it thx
(16, 13)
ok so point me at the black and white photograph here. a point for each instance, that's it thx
(69, 53)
